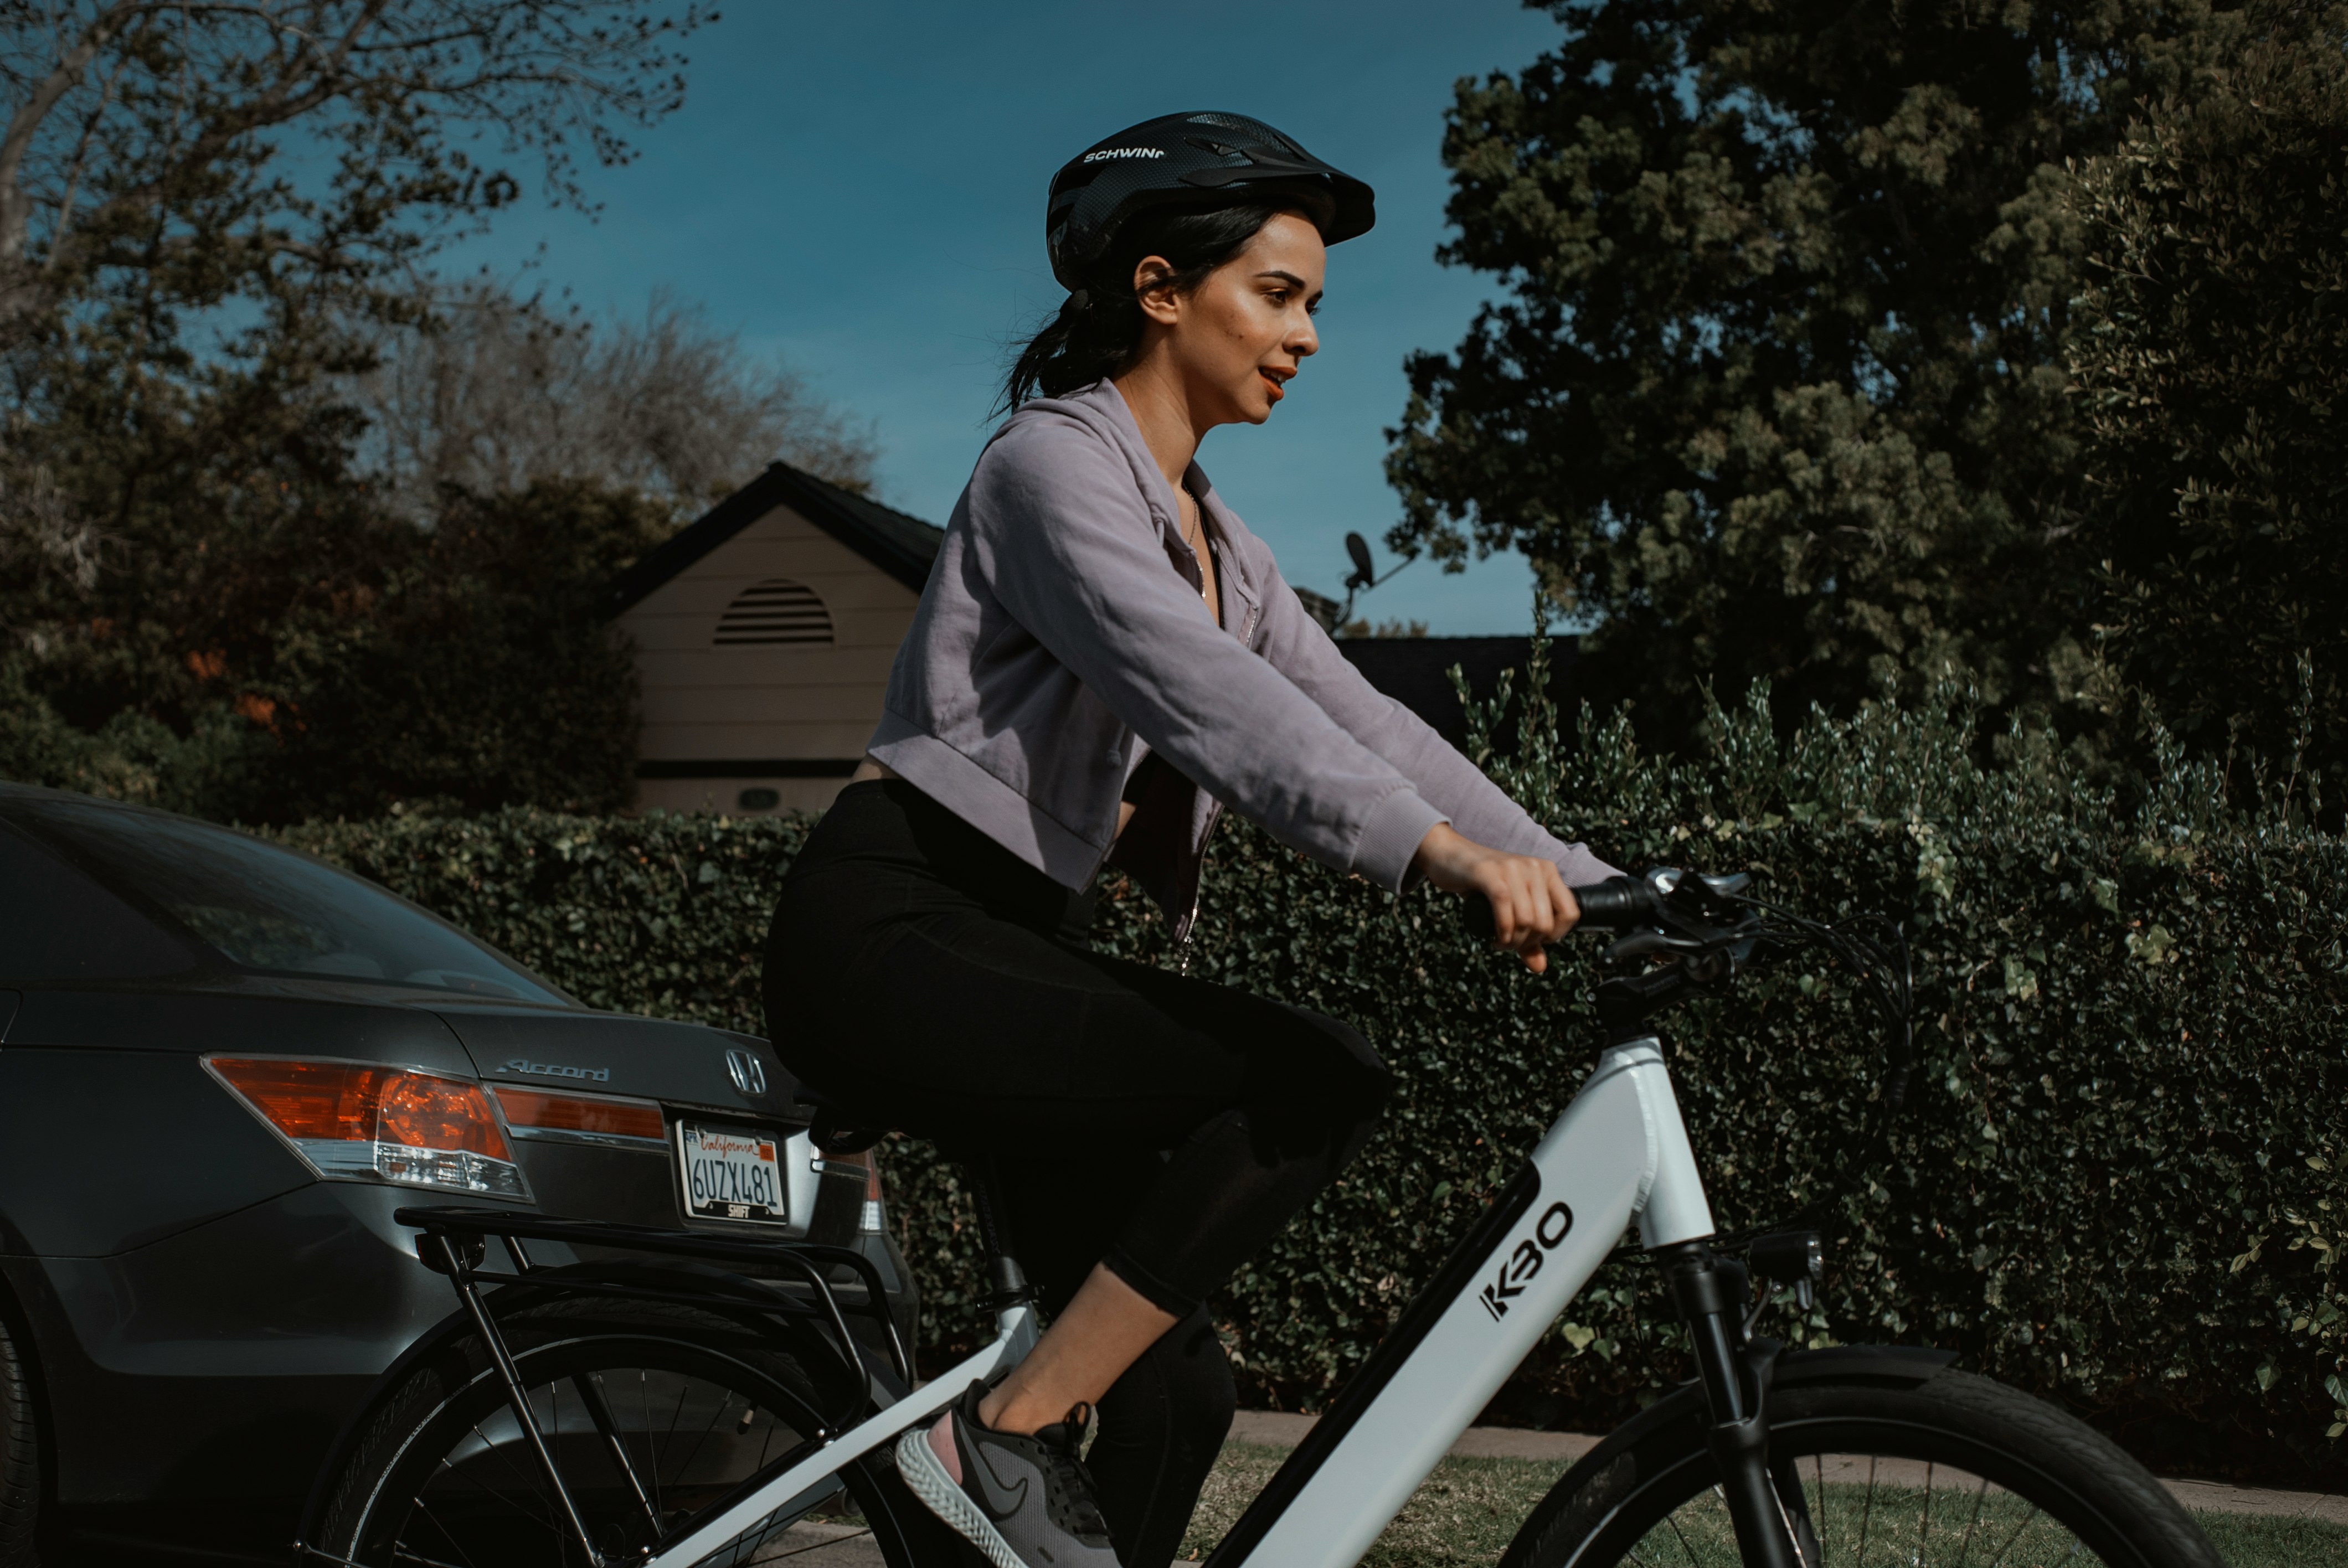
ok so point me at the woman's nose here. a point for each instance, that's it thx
(1303, 339)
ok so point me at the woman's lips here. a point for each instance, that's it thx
(1272, 385)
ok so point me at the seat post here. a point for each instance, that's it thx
(1006, 1282)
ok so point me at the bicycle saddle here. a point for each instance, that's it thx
(833, 1128)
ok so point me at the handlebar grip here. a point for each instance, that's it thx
(1615, 902)
(1479, 915)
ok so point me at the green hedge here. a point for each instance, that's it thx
(2117, 1183)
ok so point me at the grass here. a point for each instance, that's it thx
(2249, 1540)
(1466, 1511)
(1469, 1509)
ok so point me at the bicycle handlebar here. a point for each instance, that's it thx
(1710, 925)
(1610, 905)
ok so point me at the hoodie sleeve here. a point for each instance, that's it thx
(1070, 548)
(1294, 644)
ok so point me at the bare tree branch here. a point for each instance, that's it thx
(499, 395)
(116, 116)
(26, 122)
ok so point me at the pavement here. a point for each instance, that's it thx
(824, 1546)
(842, 1547)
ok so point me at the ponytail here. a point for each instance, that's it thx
(1098, 330)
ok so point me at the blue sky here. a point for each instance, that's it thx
(859, 189)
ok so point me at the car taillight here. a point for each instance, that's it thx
(356, 1122)
(585, 1117)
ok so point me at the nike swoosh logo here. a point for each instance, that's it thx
(1002, 1502)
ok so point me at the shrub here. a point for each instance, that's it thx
(2116, 1183)
(344, 663)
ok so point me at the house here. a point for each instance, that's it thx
(764, 634)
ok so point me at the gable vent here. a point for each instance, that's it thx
(776, 611)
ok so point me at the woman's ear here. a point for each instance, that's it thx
(1154, 291)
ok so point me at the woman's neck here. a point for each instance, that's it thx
(1163, 412)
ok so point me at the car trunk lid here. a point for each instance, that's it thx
(694, 1072)
(679, 1064)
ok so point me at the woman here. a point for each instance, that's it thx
(1103, 658)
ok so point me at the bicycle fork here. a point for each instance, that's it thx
(1735, 1376)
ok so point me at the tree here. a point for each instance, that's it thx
(1777, 390)
(496, 393)
(2210, 353)
(1362, 626)
(482, 673)
(209, 212)
(143, 149)
(462, 667)
(205, 204)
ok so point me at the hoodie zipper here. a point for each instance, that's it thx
(1189, 925)
(1190, 922)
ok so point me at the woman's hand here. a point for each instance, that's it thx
(1532, 905)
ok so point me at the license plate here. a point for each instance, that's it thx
(730, 1173)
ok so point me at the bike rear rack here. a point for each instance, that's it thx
(808, 1260)
(454, 1241)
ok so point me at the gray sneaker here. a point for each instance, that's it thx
(1026, 1502)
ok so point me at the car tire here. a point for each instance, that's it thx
(20, 1457)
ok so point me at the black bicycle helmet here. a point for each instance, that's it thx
(1203, 158)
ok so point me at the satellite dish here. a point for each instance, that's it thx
(1365, 571)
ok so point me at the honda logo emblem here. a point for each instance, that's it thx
(749, 1074)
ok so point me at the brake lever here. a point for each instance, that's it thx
(1638, 944)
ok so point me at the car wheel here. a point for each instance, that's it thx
(20, 1457)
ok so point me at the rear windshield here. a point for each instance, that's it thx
(56, 924)
(267, 908)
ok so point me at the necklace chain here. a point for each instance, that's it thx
(1194, 534)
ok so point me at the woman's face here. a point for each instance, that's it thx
(1236, 340)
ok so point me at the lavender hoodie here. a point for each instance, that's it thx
(1061, 639)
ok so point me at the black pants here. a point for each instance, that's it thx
(1163, 1126)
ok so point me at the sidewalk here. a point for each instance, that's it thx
(1273, 1429)
(846, 1546)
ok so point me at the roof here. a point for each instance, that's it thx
(901, 544)
(1416, 671)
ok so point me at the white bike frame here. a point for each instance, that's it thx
(1618, 1155)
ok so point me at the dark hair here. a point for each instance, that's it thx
(1098, 329)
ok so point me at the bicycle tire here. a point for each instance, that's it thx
(1645, 1494)
(445, 1429)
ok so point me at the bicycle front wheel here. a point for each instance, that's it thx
(1873, 1471)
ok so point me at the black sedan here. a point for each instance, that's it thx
(222, 1066)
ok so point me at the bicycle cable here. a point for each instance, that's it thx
(1885, 970)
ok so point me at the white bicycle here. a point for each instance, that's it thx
(663, 1416)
